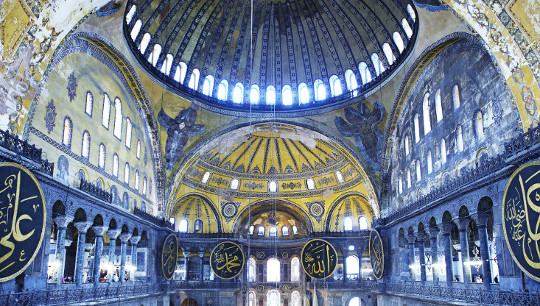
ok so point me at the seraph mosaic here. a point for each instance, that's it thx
(362, 124)
(179, 130)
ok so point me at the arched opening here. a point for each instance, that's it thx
(189, 302)
(273, 298)
(273, 270)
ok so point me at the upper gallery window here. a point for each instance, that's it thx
(68, 130)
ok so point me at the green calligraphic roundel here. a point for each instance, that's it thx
(22, 219)
(169, 256)
(376, 254)
(521, 218)
(227, 260)
(319, 258)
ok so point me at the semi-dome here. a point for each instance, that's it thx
(305, 54)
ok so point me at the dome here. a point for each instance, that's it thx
(306, 54)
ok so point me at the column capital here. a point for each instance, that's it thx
(186, 254)
(100, 230)
(463, 223)
(433, 231)
(446, 228)
(113, 233)
(201, 254)
(82, 227)
(135, 240)
(124, 237)
(411, 238)
(482, 219)
(68, 242)
(62, 221)
(421, 236)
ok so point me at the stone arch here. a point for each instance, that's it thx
(98, 220)
(356, 199)
(485, 205)
(213, 218)
(463, 211)
(58, 209)
(80, 215)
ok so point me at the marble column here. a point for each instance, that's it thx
(484, 248)
(345, 279)
(134, 242)
(124, 238)
(67, 244)
(98, 250)
(82, 227)
(201, 256)
(61, 223)
(422, 255)
(411, 239)
(463, 224)
(186, 265)
(433, 231)
(446, 231)
(113, 234)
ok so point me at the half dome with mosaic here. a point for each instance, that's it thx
(301, 55)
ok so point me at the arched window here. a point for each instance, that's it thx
(295, 230)
(198, 226)
(222, 90)
(350, 79)
(339, 177)
(118, 118)
(137, 180)
(335, 86)
(365, 74)
(407, 145)
(136, 29)
(398, 41)
(353, 267)
(106, 111)
(406, 27)
(251, 301)
(144, 42)
(479, 125)
(138, 153)
(252, 269)
(86, 145)
(89, 103)
(272, 186)
(251, 229)
(273, 231)
(320, 90)
(144, 186)
(390, 57)
(180, 73)
(154, 56)
(234, 183)
(286, 95)
(377, 64)
(363, 223)
(303, 93)
(205, 177)
(429, 162)
(438, 106)
(411, 12)
(102, 155)
(273, 270)
(68, 131)
(443, 151)
(194, 79)
(408, 178)
(183, 226)
(355, 301)
(167, 64)
(254, 94)
(310, 184)
(115, 165)
(347, 224)
(295, 269)
(273, 298)
(400, 184)
(296, 299)
(416, 129)
(126, 174)
(284, 231)
(270, 95)
(208, 85)
(128, 132)
(260, 230)
(427, 120)
(418, 171)
(238, 93)
(455, 97)
(459, 138)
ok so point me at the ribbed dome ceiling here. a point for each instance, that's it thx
(302, 50)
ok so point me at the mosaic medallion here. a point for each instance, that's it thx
(229, 209)
(316, 209)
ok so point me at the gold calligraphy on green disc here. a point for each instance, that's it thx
(22, 219)
(521, 222)
(319, 258)
(227, 260)
(169, 256)
(376, 254)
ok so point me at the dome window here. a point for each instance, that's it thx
(251, 229)
(136, 29)
(260, 231)
(406, 28)
(363, 223)
(352, 84)
(238, 93)
(390, 57)
(310, 184)
(411, 12)
(234, 184)
(254, 94)
(335, 86)
(284, 231)
(270, 95)
(286, 95)
(365, 74)
(272, 186)
(222, 90)
(273, 231)
(144, 42)
(339, 177)
(208, 85)
(295, 230)
(167, 64)
(130, 14)
(398, 41)
(194, 79)
(303, 93)
(320, 90)
(183, 226)
(205, 177)
(180, 73)
(347, 224)
(379, 68)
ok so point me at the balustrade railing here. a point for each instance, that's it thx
(23, 148)
(153, 219)
(95, 191)
(522, 142)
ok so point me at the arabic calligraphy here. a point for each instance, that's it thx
(169, 256)
(319, 258)
(227, 260)
(521, 218)
(376, 254)
(22, 219)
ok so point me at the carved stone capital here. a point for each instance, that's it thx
(463, 223)
(124, 237)
(100, 230)
(421, 236)
(433, 231)
(113, 233)
(446, 228)
(62, 221)
(482, 219)
(135, 240)
(82, 227)
(411, 238)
